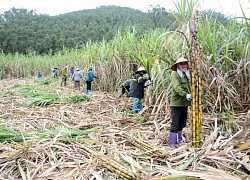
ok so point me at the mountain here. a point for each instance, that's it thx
(24, 31)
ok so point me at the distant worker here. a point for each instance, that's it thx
(137, 88)
(71, 71)
(55, 72)
(64, 76)
(89, 78)
(126, 87)
(39, 75)
(76, 78)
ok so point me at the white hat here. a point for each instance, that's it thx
(174, 67)
(141, 69)
(77, 69)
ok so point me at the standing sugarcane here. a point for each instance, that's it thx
(196, 85)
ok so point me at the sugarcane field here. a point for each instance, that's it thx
(167, 104)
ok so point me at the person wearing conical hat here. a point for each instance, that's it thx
(180, 100)
(137, 88)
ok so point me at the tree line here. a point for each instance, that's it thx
(24, 31)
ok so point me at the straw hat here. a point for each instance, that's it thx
(174, 66)
(141, 69)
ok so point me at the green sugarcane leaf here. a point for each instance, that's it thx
(21, 171)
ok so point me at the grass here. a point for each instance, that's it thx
(75, 98)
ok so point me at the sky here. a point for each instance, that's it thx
(55, 7)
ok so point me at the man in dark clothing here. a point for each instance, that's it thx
(137, 88)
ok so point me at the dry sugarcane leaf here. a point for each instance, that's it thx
(131, 161)
(246, 159)
(245, 145)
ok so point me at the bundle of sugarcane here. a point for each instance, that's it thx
(113, 165)
(146, 147)
(196, 86)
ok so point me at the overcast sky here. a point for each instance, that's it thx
(55, 7)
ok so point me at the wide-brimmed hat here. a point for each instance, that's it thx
(174, 66)
(141, 69)
(77, 69)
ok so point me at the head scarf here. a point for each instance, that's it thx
(183, 71)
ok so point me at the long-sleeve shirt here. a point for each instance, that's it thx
(137, 86)
(77, 76)
(90, 76)
(180, 88)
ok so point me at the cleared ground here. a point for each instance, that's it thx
(101, 138)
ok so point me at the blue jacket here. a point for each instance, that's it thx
(137, 86)
(90, 76)
(72, 70)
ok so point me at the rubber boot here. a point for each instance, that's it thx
(172, 139)
(179, 140)
(140, 106)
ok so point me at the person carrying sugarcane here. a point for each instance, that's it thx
(180, 100)
(137, 88)
(125, 87)
(76, 78)
(64, 76)
(89, 78)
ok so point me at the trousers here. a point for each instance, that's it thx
(179, 118)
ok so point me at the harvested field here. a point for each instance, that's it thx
(101, 138)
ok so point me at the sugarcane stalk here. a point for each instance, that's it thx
(196, 86)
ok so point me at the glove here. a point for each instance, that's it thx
(149, 78)
(189, 97)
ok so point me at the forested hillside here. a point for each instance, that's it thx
(24, 31)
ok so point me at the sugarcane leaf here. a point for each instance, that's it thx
(131, 161)
(188, 162)
(21, 171)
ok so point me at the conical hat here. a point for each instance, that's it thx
(141, 69)
(174, 67)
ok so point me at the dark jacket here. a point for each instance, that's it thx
(137, 86)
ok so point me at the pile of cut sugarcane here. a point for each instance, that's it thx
(196, 84)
